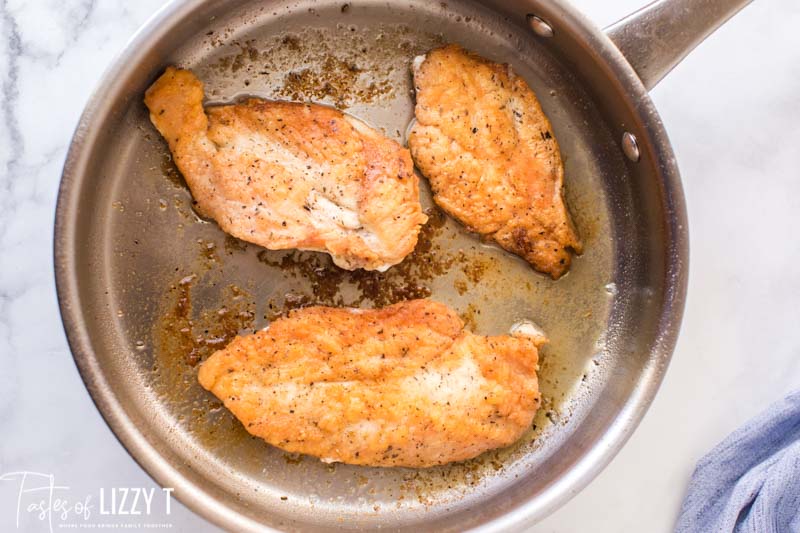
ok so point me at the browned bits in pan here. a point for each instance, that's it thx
(180, 336)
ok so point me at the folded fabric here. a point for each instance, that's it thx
(749, 483)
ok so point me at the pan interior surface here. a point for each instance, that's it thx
(160, 288)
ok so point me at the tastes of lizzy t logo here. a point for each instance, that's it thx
(40, 499)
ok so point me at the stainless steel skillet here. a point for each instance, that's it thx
(147, 288)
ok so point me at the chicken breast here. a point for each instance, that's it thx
(489, 152)
(400, 386)
(290, 175)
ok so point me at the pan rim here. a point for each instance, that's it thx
(654, 144)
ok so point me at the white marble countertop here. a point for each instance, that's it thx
(733, 113)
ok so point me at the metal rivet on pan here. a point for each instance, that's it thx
(630, 146)
(540, 26)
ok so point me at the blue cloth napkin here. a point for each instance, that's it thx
(750, 483)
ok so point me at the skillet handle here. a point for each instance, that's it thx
(661, 34)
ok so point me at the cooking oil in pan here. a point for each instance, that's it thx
(213, 286)
(201, 312)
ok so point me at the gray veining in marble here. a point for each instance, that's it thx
(733, 113)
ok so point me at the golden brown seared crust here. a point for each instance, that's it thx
(289, 175)
(400, 386)
(489, 151)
